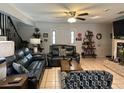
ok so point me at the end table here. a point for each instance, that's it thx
(22, 84)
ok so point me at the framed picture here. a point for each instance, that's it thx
(45, 35)
(79, 37)
(98, 36)
(45, 40)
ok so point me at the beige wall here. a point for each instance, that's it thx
(63, 30)
(13, 11)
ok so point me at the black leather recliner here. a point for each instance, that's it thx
(58, 52)
(33, 63)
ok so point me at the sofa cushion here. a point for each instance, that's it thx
(19, 68)
(24, 62)
(62, 52)
(55, 51)
(26, 51)
(29, 57)
(36, 73)
(33, 65)
(20, 55)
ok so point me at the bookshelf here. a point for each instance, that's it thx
(88, 45)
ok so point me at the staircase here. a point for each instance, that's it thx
(8, 29)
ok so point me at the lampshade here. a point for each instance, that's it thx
(3, 38)
(6, 50)
(71, 20)
(35, 41)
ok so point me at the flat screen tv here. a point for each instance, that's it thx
(118, 27)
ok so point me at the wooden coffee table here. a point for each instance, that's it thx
(67, 66)
(22, 84)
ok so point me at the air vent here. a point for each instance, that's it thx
(121, 12)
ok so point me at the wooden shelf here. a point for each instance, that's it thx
(88, 45)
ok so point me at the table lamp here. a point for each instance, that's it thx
(35, 42)
(6, 50)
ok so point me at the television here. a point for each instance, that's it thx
(118, 28)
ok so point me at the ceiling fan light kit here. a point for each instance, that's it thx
(71, 20)
(73, 16)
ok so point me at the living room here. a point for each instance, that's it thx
(42, 49)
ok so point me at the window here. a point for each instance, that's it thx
(54, 34)
(72, 37)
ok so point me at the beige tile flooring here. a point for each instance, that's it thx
(51, 78)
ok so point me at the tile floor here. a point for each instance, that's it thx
(51, 78)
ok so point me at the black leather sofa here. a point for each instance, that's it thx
(59, 51)
(35, 64)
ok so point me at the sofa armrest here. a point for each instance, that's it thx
(32, 81)
(31, 76)
(49, 55)
(76, 54)
(39, 57)
(77, 57)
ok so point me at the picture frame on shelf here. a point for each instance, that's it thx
(45, 35)
(45, 40)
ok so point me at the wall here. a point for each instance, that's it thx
(10, 9)
(63, 30)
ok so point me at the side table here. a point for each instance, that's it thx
(22, 84)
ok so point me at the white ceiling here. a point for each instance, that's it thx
(54, 12)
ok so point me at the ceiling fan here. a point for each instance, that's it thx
(73, 14)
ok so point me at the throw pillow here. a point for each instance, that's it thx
(62, 52)
(19, 68)
(29, 56)
(25, 62)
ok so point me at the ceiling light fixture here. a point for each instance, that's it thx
(71, 20)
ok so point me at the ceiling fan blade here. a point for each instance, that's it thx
(83, 14)
(80, 18)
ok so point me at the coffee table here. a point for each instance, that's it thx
(67, 66)
(22, 84)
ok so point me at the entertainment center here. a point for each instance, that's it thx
(118, 41)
